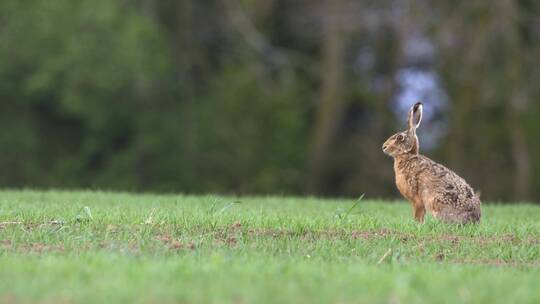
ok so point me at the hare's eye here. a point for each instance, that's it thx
(399, 137)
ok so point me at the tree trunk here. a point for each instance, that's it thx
(520, 153)
(331, 106)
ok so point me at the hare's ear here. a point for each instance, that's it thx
(415, 116)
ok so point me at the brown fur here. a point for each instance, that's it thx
(426, 184)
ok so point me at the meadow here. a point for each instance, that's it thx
(100, 247)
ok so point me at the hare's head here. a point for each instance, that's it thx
(405, 142)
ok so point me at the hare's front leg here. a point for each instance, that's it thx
(419, 211)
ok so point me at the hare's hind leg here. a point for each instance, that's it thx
(450, 215)
(453, 216)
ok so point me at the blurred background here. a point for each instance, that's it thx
(266, 97)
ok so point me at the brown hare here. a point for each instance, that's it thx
(427, 184)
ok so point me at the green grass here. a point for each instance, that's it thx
(93, 247)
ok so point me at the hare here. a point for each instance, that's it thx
(427, 184)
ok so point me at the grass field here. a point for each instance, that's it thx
(92, 247)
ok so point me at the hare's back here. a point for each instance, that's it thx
(444, 188)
